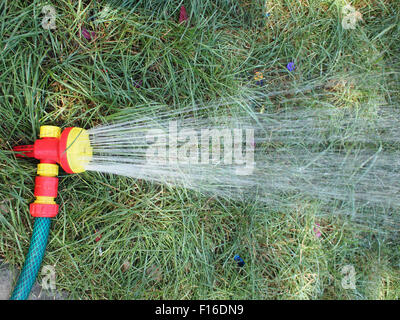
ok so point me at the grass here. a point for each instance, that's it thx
(161, 242)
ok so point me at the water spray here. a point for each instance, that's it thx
(341, 161)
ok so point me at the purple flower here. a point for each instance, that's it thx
(138, 84)
(316, 231)
(290, 66)
(87, 34)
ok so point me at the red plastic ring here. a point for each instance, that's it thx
(62, 150)
(39, 210)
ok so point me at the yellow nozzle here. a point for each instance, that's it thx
(78, 149)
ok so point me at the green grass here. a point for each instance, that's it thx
(179, 244)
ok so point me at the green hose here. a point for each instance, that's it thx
(33, 260)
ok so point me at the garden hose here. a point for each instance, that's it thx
(72, 151)
(33, 259)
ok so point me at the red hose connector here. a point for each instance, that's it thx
(46, 150)
(46, 188)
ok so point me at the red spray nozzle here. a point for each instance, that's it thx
(70, 149)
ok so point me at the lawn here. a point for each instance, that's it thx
(122, 238)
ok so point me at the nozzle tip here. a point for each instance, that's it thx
(24, 151)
